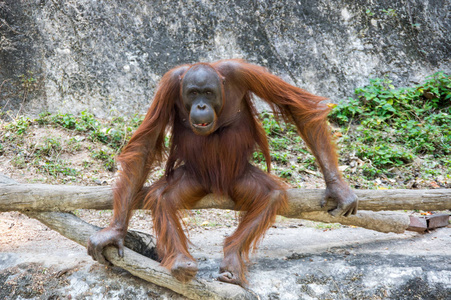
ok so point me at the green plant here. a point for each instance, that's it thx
(390, 12)
(107, 157)
(55, 168)
(113, 134)
(327, 226)
(369, 12)
(383, 155)
(19, 125)
(279, 143)
(390, 126)
(270, 124)
(74, 144)
(19, 162)
(258, 157)
(50, 147)
(281, 157)
(44, 118)
(285, 173)
(46, 155)
(65, 120)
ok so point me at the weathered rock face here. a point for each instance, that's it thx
(107, 56)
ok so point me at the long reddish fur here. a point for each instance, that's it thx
(223, 168)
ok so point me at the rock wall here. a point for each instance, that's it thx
(107, 56)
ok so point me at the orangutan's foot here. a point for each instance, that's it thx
(184, 268)
(232, 270)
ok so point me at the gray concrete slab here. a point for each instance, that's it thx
(291, 263)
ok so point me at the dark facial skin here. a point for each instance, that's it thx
(202, 98)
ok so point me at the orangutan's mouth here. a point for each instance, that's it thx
(201, 125)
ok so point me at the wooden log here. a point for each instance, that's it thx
(303, 204)
(42, 197)
(79, 231)
(385, 221)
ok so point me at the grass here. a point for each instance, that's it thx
(105, 139)
(386, 136)
(393, 128)
(114, 133)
